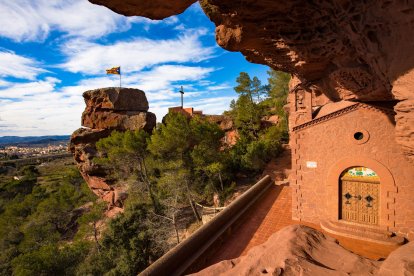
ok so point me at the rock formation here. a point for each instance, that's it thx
(107, 109)
(296, 250)
(301, 250)
(348, 50)
(157, 9)
(231, 134)
(226, 124)
(400, 262)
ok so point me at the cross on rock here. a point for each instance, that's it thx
(182, 96)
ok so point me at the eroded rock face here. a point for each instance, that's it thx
(296, 250)
(338, 46)
(400, 262)
(225, 122)
(348, 50)
(115, 99)
(123, 120)
(107, 109)
(155, 9)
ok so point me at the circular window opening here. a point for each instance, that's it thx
(358, 136)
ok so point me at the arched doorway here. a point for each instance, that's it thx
(359, 197)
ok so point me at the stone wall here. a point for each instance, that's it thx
(328, 140)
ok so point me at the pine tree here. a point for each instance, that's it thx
(278, 84)
(125, 153)
(244, 86)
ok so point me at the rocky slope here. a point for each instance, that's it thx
(301, 250)
(348, 50)
(107, 109)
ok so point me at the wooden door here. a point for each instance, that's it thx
(349, 201)
(369, 203)
(360, 201)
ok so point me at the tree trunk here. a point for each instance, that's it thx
(221, 181)
(149, 185)
(196, 214)
(95, 235)
(144, 178)
(175, 228)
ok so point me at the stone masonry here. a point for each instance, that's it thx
(324, 136)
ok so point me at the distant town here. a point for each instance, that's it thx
(17, 152)
(20, 148)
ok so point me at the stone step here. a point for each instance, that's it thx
(360, 232)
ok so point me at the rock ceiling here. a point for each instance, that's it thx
(349, 50)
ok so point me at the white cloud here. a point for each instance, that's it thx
(212, 105)
(39, 104)
(28, 20)
(134, 55)
(164, 76)
(223, 86)
(180, 27)
(161, 85)
(41, 108)
(20, 91)
(12, 65)
(216, 105)
(3, 83)
(38, 108)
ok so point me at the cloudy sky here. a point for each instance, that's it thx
(51, 51)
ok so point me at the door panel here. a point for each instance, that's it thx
(349, 202)
(360, 201)
(369, 204)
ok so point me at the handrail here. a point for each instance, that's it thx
(210, 208)
(179, 259)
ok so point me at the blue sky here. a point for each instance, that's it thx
(53, 51)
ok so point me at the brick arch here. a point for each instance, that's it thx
(388, 189)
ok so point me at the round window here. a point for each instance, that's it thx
(358, 135)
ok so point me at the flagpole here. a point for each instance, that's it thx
(119, 81)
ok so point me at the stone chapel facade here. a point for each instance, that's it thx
(348, 173)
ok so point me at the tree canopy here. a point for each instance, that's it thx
(49, 221)
(257, 145)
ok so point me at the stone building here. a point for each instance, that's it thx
(348, 173)
(186, 111)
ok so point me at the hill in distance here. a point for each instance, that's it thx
(33, 140)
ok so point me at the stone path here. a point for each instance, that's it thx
(271, 213)
(275, 218)
(268, 215)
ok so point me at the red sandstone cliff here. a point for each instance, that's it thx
(348, 50)
(107, 109)
(301, 250)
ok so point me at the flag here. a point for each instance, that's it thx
(114, 70)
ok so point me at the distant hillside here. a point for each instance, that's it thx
(33, 140)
